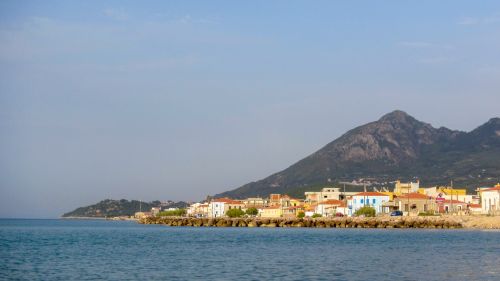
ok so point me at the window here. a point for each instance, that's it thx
(361, 201)
(406, 207)
(425, 207)
(373, 200)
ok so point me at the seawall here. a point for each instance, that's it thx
(342, 222)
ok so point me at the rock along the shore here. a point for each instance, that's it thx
(342, 222)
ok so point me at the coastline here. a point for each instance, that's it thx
(98, 218)
(441, 222)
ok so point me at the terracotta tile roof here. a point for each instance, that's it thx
(496, 188)
(342, 205)
(331, 202)
(275, 196)
(414, 196)
(370, 193)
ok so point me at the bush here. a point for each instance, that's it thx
(252, 211)
(172, 213)
(316, 216)
(234, 213)
(365, 211)
(301, 215)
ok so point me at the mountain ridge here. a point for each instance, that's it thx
(396, 146)
(123, 207)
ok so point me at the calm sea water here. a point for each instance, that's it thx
(110, 250)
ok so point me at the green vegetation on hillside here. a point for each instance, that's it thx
(116, 208)
(397, 146)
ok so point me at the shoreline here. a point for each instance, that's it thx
(98, 218)
(446, 222)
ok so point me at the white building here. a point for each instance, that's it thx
(327, 193)
(371, 199)
(490, 200)
(329, 208)
(219, 207)
(198, 210)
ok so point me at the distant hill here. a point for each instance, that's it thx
(397, 146)
(115, 208)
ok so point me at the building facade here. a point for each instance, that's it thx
(219, 207)
(490, 200)
(415, 203)
(329, 208)
(371, 199)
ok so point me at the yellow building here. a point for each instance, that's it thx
(388, 193)
(270, 212)
(296, 202)
(453, 192)
(447, 193)
(406, 187)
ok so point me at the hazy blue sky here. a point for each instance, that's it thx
(181, 99)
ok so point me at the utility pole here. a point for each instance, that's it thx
(352, 184)
(364, 189)
(345, 198)
(451, 202)
(408, 200)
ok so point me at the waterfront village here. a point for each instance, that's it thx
(406, 199)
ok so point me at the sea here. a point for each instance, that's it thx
(125, 250)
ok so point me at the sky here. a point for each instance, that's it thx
(177, 100)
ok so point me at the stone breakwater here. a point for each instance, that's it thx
(343, 222)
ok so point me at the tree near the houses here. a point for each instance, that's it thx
(366, 211)
(252, 211)
(234, 213)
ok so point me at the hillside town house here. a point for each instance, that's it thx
(371, 199)
(415, 203)
(199, 210)
(406, 188)
(219, 207)
(330, 208)
(490, 200)
(327, 193)
(270, 211)
(407, 197)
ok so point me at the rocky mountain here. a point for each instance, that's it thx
(116, 208)
(397, 146)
